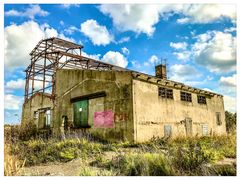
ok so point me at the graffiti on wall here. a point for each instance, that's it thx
(103, 119)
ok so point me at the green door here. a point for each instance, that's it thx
(80, 109)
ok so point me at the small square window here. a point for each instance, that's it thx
(201, 99)
(165, 93)
(186, 96)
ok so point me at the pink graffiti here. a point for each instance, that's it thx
(103, 119)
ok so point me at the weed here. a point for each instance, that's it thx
(12, 165)
(145, 164)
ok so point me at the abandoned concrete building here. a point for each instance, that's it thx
(65, 89)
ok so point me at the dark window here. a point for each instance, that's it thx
(218, 116)
(186, 97)
(167, 130)
(165, 93)
(201, 99)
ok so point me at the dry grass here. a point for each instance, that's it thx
(12, 165)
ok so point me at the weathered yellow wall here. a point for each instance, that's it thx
(152, 112)
(118, 88)
(36, 102)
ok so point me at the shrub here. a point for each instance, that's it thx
(68, 154)
(225, 170)
(27, 131)
(145, 164)
(86, 171)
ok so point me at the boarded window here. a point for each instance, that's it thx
(205, 129)
(165, 93)
(201, 99)
(167, 130)
(186, 96)
(188, 126)
(218, 117)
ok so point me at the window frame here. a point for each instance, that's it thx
(165, 93)
(202, 99)
(48, 118)
(185, 96)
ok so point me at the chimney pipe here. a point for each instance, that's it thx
(161, 71)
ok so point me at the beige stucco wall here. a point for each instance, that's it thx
(118, 88)
(152, 112)
(36, 102)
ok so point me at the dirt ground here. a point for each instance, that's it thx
(72, 168)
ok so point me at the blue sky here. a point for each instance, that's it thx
(198, 41)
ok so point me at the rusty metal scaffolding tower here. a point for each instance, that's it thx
(52, 54)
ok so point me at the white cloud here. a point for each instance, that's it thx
(179, 45)
(143, 18)
(135, 64)
(91, 56)
(125, 50)
(206, 13)
(231, 29)
(70, 30)
(31, 12)
(21, 39)
(216, 51)
(124, 39)
(137, 18)
(153, 59)
(15, 84)
(115, 58)
(67, 6)
(230, 103)
(183, 73)
(98, 34)
(206, 89)
(12, 102)
(184, 55)
(229, 81)
(183, 20)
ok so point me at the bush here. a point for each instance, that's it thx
(68, 154)
(231, 121)
(27, 131)
(39, 151)
(143, 165)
